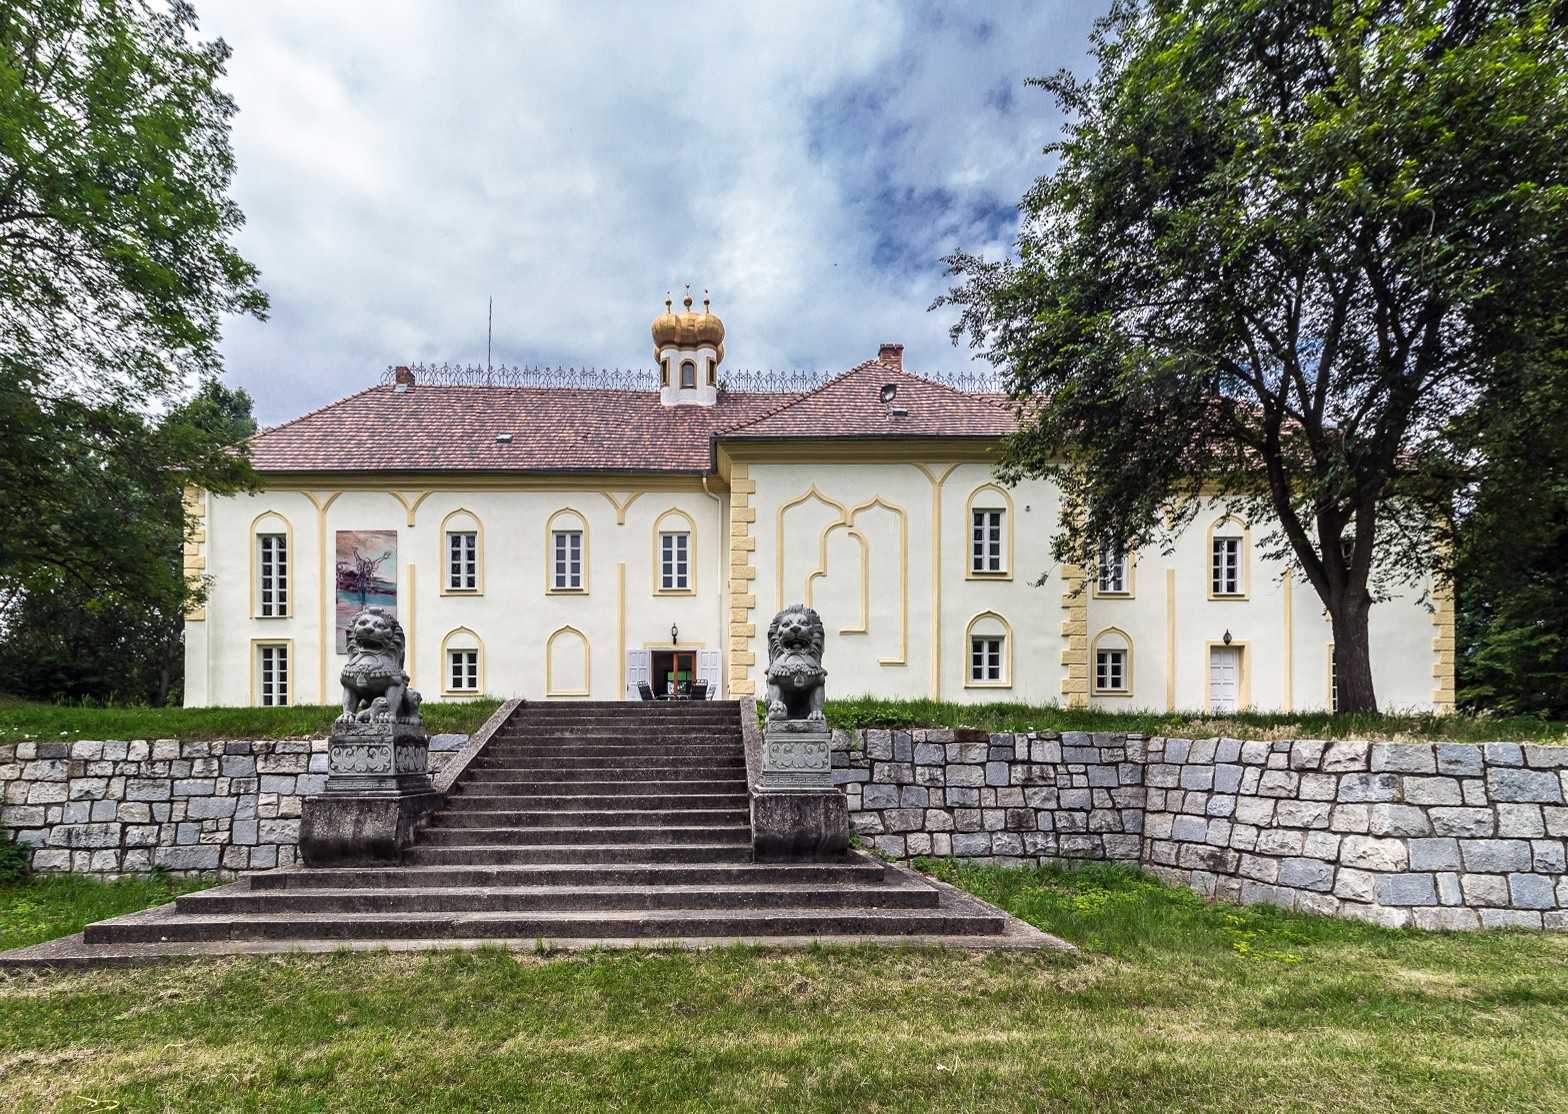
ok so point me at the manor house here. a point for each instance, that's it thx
(587, 540)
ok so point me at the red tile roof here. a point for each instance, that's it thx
(455, 428)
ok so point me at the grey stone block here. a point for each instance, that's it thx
(971, 843)
(1547, 856)
(1278, 783)
(879, 796)
(913, 796)
(1471, 822)
(1404, 758)
(1355, 788)
(997, 773)
(930, 754)
(1432, 791)
(1524, 785)
(897, 773)
(1306, 754)
(1484, 889)
(1504, 754)
(1197, 777)
(1399, 820)
(1406, 889)
(1307, 874)
(1495, 856)
(1368, 853)
(211, 808)
(1459, 758)
(1303, 814)
(1434, 854)
(1531, 891)
(1510, 918)
(1520, 820)
(196, 857)
(904, 819)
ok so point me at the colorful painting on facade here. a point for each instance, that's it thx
(366, 576)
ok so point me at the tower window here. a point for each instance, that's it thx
(688, 373)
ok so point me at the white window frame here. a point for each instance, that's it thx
(462, 560)
(987, 659)
(987, 535)
(566, 560)
(1226, 574)
(272, 575)
(1112, 580)
(1110, 669)
(692, 364)
(273, 666)
(462, 669)
(674, 560)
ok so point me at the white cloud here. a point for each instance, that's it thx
(400, 162)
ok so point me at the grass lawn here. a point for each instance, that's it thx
(26, 719)
(1172, 1005)
(869, 711)
(48, 906)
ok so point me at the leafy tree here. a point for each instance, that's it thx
(1285, 244)
(63, 638)
(116, 267)
(1513, 549)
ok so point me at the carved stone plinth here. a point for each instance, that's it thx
(796, 754)
(378, 789)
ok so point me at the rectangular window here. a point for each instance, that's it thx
(272, 575)
(462, 561)
(462, 670)
(985, 658)
(1113, 570)
(1226, 572)
(1110, 670)
(272, 668)
(986, 542)
(568, 560)
(675, 561)
(1333, 680)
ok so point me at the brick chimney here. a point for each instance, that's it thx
(892, 355)
(403, 376)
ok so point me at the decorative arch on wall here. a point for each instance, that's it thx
(550, 687)
(461, 638)
(989, 623)
(455, 521)
(1238, 527)
(876, 501)
(258, 526)
(656, 565)
(1110, 638)
(564, 516)
(778, 531)
(1004, 504)
(865, 572)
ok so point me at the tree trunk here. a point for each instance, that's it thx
(1352, 653)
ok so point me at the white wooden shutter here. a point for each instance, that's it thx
(639, 670)
(709, 670)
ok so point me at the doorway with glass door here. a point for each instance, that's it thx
(672, 673)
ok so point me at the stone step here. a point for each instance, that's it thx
(629, 739)
(644, 925)
(863, 872)
(519, 836)
(555, 899)
(602, 762)
(622, 723)
(480, 784)
(606, 852)
(489, 802)
(706, 771)
(588, 818)
(627, 749)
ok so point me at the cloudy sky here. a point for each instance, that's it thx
(810, 163)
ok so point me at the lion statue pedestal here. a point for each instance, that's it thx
(797, 812)
(378, 760)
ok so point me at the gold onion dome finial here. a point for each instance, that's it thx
(688, 329)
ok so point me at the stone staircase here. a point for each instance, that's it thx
(576, 824)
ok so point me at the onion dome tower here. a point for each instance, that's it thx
(689, 347)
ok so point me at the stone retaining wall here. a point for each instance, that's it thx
(1434, 835)
(127, 807)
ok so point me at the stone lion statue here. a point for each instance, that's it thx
(375, 688)
(795, 673)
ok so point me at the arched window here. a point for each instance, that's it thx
(988, 646)
(688, 373)
(1110, 657)
(271, 566)
(462, 663)
(1230, 558)
(462, 554)
(566, 560)
(674, 554)
(988, 515)
(566, 662)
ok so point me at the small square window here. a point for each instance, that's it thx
(1110, 670)
(462, 670)
(985, 658)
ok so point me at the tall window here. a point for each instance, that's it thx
(462, 667)
(674, 561)
(1225, 571)
(986, 541)
(272, 568)
(568, 546)
(1333, 680)
(985, 657)
(272, 674)
(1113, 569)
(688, 373)
(1110, 670)
(462, 561)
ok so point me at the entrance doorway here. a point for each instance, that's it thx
(673, 673)
(1225, 667)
